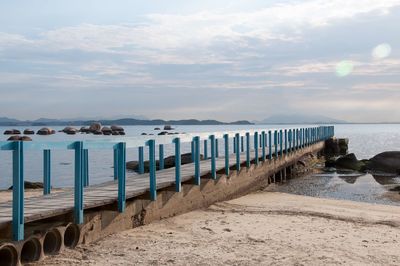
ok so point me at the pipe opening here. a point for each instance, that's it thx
(8, 255)
(71, 236)
(52, 242)
(31, 250)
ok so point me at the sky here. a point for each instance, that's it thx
(224, 60)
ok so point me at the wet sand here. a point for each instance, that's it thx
(264, 228)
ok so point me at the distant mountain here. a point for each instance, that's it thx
(4, 121)
(300, 119)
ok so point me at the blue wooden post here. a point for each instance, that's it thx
(85, 168)
(290, 140)
(152, 165)
(78, 183)
(216, 148)
(226, 141)
(263, 145)
(247, 149)
(141, 160)
(303, 137)
(234, 145)
(213, 166)
(242, 143)
(237, 137)
(121, 147)
(46, 172)
(270, 144)
(256, 147)
(161, 156)
(281, 142)
(115, 164)
(178, 183)
(276, 143)
(286, 140)
(18, 191)
(196, 141)
(192, 150)
(205, 150)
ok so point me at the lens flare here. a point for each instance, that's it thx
(381, 51)
(344, 68)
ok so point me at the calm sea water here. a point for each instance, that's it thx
(365, 141)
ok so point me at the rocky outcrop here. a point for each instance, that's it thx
(29, 131)
(12, 132)
(116, 128)
(168, 162)
(70, 130)
(31, 185)
(95, 127)
(45, 131)
(388, 162)
(106, 131)
(335, 147)
(19, 138)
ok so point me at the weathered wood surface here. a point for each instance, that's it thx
(41, 207)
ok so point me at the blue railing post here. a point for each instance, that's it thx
(241, 143)
(78, 183)
(178, 183)
(121, 147)
(18, 191)
(213, 166)
(263, 145)
(141, 159)
(247, 149)
(270, 144)
(276, 143)
(281, 142)
(85, 168)
(234, 145)
(256, 147)
(216, 148)
(46, 172)
(115, 164)
(286, 140)
(226, 142)
(290, 140)
(196, 141)
(205, 149)
(237, 137)
(161, 156)
(152, 167)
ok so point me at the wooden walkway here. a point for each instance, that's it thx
(41, 207)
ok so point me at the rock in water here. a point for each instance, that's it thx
(95, 127)
(12, 132)
(19, 138)
(45, 131)
(388, 162)
(29, 131)
(350, 161)
(70, 130)
(168, 127)
(116, 128)
(31, 185)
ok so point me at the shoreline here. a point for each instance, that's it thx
(262, 227)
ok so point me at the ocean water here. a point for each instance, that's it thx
(365, 142)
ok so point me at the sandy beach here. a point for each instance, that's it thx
(263, 228)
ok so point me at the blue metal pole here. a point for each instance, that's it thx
(213, 166)
(161, 156)
(263, 145)
(78, 183)
(247, 149)
(241, 143)
(234, 145)
(141, 160)
(121, 147)
(152, 165)
(205, 150)
(18, 191)
(216, 148)
(196, 141)
(178, 183)
(46, 172)
(276, 143)
(290, 140)
(85, 167)
(226, 140)
(281, 142)
(256, 147)
(286, 140)
(270, 144)
(115, 164)
(237, 137)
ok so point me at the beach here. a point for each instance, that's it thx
(263, 228)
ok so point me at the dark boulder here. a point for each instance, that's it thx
(350, 161)
(122, 133)
(116, 128)
(95, 127)
(19, 138)
(106, 131)
(31, 185)
(84, 130)
(29, 131)
(97, 132)
(70, 130)
(12, 132)
(162, 133)
(388, 162)
(143, 134)
(157, 128)
(114, 133)
(168, 127)
(45, 131)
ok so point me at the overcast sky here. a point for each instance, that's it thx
(225, 60)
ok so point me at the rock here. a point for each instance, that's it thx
(335, 147)
(29, 131)
(162, 133)
(70, 130)
(350, 161)
(116, 128)
(115, 133)
(19, 138)
(25, 138)
(12, 132)
(168, 162)
(168, 127)
(157, 128)
(95, 127)
(122, 133)
(106, 131)
(97, 132)
(84, 130)
(31, 185)
(13, 138)
(45, 131)
(143, 134)
(388, 162)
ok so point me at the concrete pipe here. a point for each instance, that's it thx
(71, 235)
(31, 250)
(8, 254)
(52, 242)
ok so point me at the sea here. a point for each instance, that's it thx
(365, 141)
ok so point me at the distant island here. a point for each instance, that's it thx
(5, 121)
